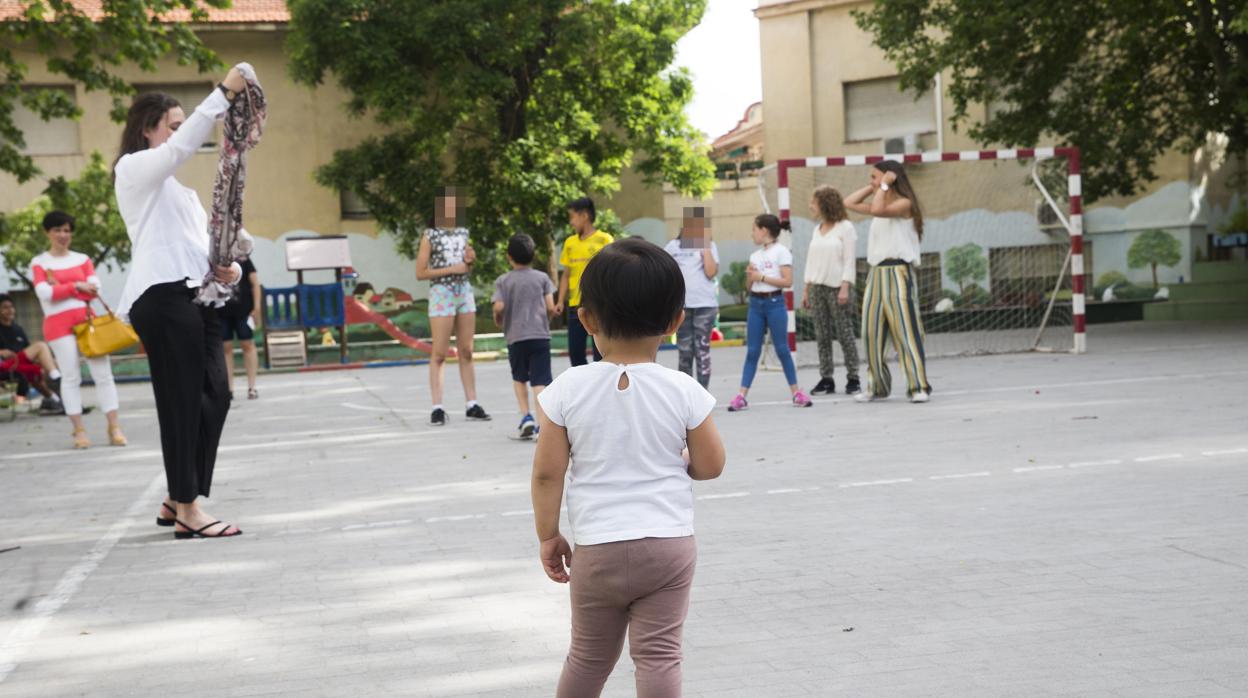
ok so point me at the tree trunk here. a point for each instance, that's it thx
(1154, 276)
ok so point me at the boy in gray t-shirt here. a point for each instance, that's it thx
(524, 302)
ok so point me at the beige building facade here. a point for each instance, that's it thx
(829, 92)
(305, 127)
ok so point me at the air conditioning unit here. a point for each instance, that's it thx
(902, 145)
(1046, 217)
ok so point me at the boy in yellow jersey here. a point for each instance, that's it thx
(578, 249)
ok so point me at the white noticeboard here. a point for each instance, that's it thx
(324, 252)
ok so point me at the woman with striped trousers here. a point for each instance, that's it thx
(890, 303)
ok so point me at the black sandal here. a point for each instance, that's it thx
(182, 535)
(167, 522)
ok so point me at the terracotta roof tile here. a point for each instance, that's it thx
(242, 11)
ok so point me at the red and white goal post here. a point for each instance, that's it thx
(972, 197)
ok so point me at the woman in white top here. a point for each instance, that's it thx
(890, 304)
(769, 273)
(831, 265)
(168, 231)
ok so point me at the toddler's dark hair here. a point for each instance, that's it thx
(521, 248)
(634, 289)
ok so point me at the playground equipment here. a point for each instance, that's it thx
(291, 310)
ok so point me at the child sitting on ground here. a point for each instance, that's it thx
(637, 434)
(524, 302)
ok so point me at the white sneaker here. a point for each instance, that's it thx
(864, 396)
(920, 397)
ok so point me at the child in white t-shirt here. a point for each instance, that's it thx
(769, 274)
(641, 433)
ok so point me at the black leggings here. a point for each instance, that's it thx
(183, 344)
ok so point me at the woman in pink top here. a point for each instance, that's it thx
(65, 283)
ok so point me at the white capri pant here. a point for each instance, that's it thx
(65, 349)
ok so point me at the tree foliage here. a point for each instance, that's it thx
(1153, 248)
(99, 231)
(966, 264)
(86, 46)
(733, 282)
(527, 104)
(1125, 80)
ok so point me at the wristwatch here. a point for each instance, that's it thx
(229, 94)
(884, 186)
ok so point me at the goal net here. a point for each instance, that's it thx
(999, 272)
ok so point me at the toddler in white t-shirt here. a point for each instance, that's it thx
(636, 436)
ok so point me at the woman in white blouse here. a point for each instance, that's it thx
(828, 293)
(168, 231)
(890, 304)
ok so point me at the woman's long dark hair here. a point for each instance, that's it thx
(145, 114)
(902, 186)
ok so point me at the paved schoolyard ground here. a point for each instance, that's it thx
(1047, 525)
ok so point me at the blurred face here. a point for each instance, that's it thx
(445, 211)
(164, 129)
(578, 219)
(60, 237)
(695, 232)
(876, 176)
(8, 313)
(761, 235)
(814, 205)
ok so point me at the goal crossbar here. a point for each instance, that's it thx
(1074, 189)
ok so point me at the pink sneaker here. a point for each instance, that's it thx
(801, 400)
(738, 403)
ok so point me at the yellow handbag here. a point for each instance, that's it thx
(101, 335)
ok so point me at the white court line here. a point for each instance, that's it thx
(900, 398)
(377, 524)
(367, 408)
(72, 454)
(27, 630)
(786, 490)
(730, 495)
(1224, 452)
(461, 517)
(1033, 468)
(871, 483)
(982, 473)
(522, 512)
(1093, 463)
(1150, 459)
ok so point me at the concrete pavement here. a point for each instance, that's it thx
(1047, 525)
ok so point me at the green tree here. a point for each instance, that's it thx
(734, 281)
(99, 231)
(1152, 248)
(527, 104)
(966, 264)
(1124, 80)
(85, 44)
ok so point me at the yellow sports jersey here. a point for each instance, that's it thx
(576, 254)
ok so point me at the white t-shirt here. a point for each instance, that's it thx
(700, 292)
(627, 479)
(831, 260)
(768, 260)
(892, 238)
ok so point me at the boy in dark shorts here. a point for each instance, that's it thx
(523, 305)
